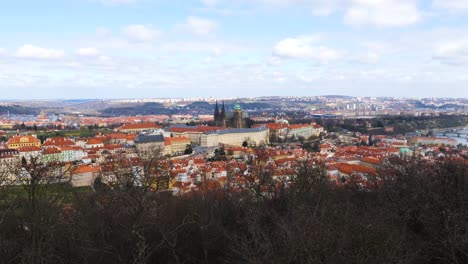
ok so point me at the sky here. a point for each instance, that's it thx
(69, 49)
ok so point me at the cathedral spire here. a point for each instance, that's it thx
(216, 113)
(222, 117)
(223, 112)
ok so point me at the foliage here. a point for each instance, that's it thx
(411, 212)
(18, 110)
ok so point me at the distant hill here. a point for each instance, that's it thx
(419, 104)
(18, 110)
(79, 101)
(145, 109)
(338, 96)
(192, 108)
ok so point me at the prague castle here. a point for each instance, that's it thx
(234, 119)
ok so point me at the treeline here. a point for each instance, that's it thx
(18, 110)
(145, 109)
(412, 212)
(192, 108)
(400, 124)
(419, 104)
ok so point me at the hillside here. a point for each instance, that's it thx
(18, 110)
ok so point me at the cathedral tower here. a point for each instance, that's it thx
(216, 113)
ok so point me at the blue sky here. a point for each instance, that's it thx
(232, 48)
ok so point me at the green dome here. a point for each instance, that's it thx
(405, 151)
(237, 106)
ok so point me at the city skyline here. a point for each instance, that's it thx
(171, 49)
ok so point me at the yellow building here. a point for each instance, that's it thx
(23, 141)
(176, 145)
(139, 128)
(236, 137)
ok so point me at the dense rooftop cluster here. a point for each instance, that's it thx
(232, 162)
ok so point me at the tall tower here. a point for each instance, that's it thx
(222, 116)
(216, 113)
(237, 122)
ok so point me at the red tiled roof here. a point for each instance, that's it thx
(94, 141)
(200, 129)
(138, 126)
(58, 141)
(131, 137)
(299, 126)
(29, 149)
(350, 168)
(65, 148)
(371, 160)
(86, 169)
(117, 136)
(170, 141)
(51, 150)
(113, 146)
(17, 140)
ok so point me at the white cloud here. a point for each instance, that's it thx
(87, 52)
(383, 13)
(453, 52)
(200, 26)
(32, 52)
(2, 52)
(451, 5)
(141, 33)
(303, 48)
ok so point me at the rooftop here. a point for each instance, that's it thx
(238, 130)
(149, 138)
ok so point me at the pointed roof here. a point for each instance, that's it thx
(223, 110)
(216, 113)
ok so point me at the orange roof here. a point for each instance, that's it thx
(138, 126)
(94, 141)
(113, 146)
(131, 137)
(86, 169)
(170, 141)
(51, 150)
(180, 139)
(65, 148)
(350, 168)
(235, 148)
(23, 139)
(201, 129)
(299, 126)
(29, 148)
(371, 160)
(59, 141)
(117, 136)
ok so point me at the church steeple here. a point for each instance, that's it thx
(216, 113)
(222, 117)
(223, 111)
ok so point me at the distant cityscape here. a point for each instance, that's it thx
(353, 135)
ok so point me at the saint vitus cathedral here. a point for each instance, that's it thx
(234, 119)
